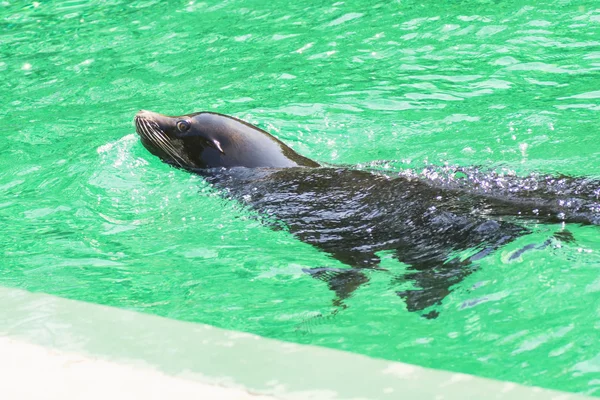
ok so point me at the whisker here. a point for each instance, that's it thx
(142, 129)
(154, 134)
(151, 131)
(161, 140)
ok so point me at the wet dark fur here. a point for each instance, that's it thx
(424, 222)
(353, 215)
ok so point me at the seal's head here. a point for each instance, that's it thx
(211, 140)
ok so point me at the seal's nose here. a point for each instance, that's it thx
(148, 115)
(143, 113)
(155, 120)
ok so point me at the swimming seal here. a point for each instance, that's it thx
(438, 227)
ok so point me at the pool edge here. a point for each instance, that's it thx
(228, 359)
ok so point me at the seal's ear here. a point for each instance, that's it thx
(216, 145)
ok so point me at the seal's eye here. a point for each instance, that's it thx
(183, 126)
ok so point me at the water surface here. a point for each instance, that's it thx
(88, 214)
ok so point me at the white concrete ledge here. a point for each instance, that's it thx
(72, 349)
(34, 372)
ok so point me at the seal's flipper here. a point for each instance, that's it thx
(564, 236)
(418, 300)
(432, 280)
(342, 281)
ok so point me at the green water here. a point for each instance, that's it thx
(87, 213)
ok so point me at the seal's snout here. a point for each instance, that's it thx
(151, 120)
(147, 123)
(139, 117)
(145, 114)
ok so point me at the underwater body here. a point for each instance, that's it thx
(353, 215)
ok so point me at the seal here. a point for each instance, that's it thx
(438, 227)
